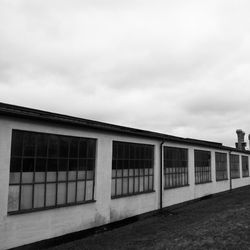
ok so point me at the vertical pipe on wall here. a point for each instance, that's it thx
(230, 171)
(161, 172)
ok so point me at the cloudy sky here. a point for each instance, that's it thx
(178, 67)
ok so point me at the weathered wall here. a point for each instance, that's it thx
(242, 181)
(194, 191)
(26, 228)
(22, 229)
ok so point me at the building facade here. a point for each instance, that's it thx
(61, 174)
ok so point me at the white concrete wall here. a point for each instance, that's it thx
(242, 181)
(194, 191)
(180, 194)
(20, 229)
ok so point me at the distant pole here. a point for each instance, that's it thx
(230, 168)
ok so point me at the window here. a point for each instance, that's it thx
(235, 166)
(221, 166)
(132, 168)
(49, 171)
(175, 167)
(245, 171)
(202, 164)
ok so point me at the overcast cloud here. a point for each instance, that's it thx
(177, 67)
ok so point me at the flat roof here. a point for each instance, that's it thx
(40, 115)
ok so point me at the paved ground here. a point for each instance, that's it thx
(221, 222)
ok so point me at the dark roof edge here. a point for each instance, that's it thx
(35, 114)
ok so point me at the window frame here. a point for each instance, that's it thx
(247, 161)
(171, 175)
(56, 182)
(218, 163)
(210, 168)
(122, 177)
(232, 163)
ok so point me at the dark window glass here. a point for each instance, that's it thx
(28, 165)
(91, 150)
(235, 166)
(175, 167)
(41, 164)
(73, 164)
(50, 170)
(73, 152)
(53, 146)
(90, 164)
(42, 145)
(221, 166)
(132, 168)
(52, 165)
(29, 145)
(63, 164)
(83, 149)
(17, 144)
(202, 165)
(245, 170)
(82, 165)
(16, 164)
(64, 147)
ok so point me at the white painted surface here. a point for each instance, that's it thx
(20, 229)
(17, 230)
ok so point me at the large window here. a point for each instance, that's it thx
(245, 170)
(49, 171)
(175, 167)
(202, 164)
(132, 168)
(221, 166)
(235, 166)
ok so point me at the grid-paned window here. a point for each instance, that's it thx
(132, 168)
(221, 166)
(245, 170)
(202, 164)
(175, 167)
(48, 171)
(235, 166)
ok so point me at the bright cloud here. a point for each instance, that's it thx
(179, 67)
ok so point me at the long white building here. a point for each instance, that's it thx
(61, 174)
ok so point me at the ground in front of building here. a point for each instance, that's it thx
(221, 222)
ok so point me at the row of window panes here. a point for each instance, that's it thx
(125, 150)
(40, 178)
(122, 186)
(38, 196)
(245, 167)
(30, 144)
(175, 167)
(202, 166)
(235, 166)
(48, 166)
(132, 168)
(221, 166)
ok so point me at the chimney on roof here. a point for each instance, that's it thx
(241, 143)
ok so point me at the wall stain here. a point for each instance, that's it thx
(116, 215)
(100, 220)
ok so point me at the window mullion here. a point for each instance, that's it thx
(86, 173)
(67, 172)
(77, 168)
(57, 169)
(46, 170)
(34, 172)
(21, 173)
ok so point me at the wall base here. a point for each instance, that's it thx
(87, 232)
